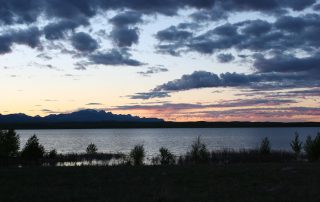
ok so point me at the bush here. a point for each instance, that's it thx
(9, 143)
(33, 149)
(52, 154)
(199, 152)
(91, 149)
(265, 147)
(166, 157)
(312, 148)
(296, 145)
(137, 155)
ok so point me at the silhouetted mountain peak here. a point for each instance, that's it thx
(85, 115)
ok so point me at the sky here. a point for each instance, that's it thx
(186, 60)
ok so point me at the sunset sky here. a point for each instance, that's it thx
(186, 60)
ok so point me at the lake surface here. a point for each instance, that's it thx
(177, 140)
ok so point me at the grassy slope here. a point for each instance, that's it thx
(237, 182)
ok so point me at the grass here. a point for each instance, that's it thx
(230, 182)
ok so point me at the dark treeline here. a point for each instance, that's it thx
(93, 125)
(34, 153)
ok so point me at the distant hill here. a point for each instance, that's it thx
(89, 119)
(88, 115)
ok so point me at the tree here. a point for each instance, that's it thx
(312, 148)
(265, 146)
(9, 143)
(199, 152)
(33, 149)
(166, 157)
(137, 155)
(296, 145)
(91, 149)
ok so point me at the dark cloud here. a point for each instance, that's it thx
(279, 113)
(173, 34)
(153, 70)
(214, 14)
(258, 81)
(29, 37)
(44, 56)
(20, 11)
(203, 79)
(256, 27)
(316, 7)
(28, 11)
(59, 29)
(114, 57)
(124, 36)
(149, 95)
(94, 104)
(188, 25)
(225, 58)
(70, 9)
(300, 93)
(223, 104)
(198, 79)
(84, 42)
(288, 64)
(264, 5)
(286, 34)
(126, 19)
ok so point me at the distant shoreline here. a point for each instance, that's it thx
(137, 125)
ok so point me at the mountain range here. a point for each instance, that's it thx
(87, 115)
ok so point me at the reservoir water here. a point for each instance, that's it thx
(177, 140)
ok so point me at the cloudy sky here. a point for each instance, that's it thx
(186, 60)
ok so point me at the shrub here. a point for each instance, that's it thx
(312, 148)
(52, 154)
(296, 145)
(166, 157)
(199, 152)
(91, 149)
(33, 149)
(137, 155)
(265, 147)
(9, 143)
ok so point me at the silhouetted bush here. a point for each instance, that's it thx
(164, 158)
(137, 155)
(52, 154)
(92, 149)
(312, 148)
(265, 146)
(296, 145)
(199, 152)
(33, 150)
(9, 143)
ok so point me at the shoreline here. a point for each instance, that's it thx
(151, 125)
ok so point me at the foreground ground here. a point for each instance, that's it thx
(236, 182)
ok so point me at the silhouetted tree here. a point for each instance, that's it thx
(9, 143)
(137, 155)
(296, 145)
(52, 154)
(265, 146)
(166, 157)
(33, 149)
(91, 149)
(312, 148)
(199, 152)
